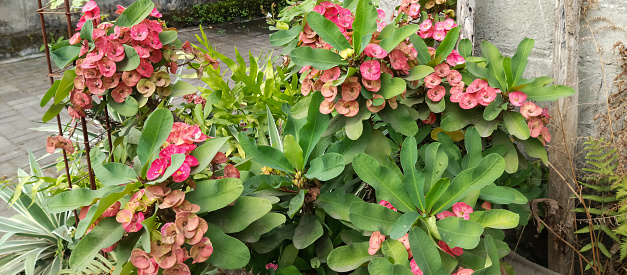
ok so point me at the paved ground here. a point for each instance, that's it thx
(23, 83)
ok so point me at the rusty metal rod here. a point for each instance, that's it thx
(68, 18)
(92, 181)
(106, 112)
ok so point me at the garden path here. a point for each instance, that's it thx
(23, 83)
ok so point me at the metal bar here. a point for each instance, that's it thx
(92, 181)
(106, 112)
(68, 18)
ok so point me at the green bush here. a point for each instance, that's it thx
(228, 10)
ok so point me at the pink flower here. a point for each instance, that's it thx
(530, 109)
(535, 127)
(376, 239)
(139, 32)
(374, 50)
(106, 66)
(157, 168)
(372, 85)
(455, 59)
(170, 234)
(201, 251)
(193, 134)
(444, 215)
(112, 210)
(449, 24)
(462, 210)
(414, 10)
(330, 74)
(351, 90)
(439, 35)
(326, 107)
(155, 13)
(454, 77)
(445, 248)
(145, 68)
(380, 14)
(426, 25)
(425, 34)
(546, 117)
(443, 70)
(457, 251)
(486, 96)
(545, 135)
(387, 204)
(182, 173)
(517, 98)
(456, 94)
(405, 241)
(439, 26)
(476, 86)
(75, 39)
(328, 91)
(463, 271)
(432, 80)
(398, 60)
(414, 267)
(130, 222)
(486, 205)
(91, 10)
(430, 120)
(371, 70)
(436, 93)
(271, 265)
(168, 151)
(347, 108)
(319, 9)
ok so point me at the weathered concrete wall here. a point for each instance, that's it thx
(20, 25)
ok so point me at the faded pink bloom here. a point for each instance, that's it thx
(545, 136)
(371, 107)
(174, 198)
(467, 101)
(486, 96)
(140, 259)
(444, 215)
(170, 234)
(351, 90)
(329, 92)
(173, 257)
(347, 108)
(414, 267)
(370, 70)
(432, 80)
(326, 107)
(398, 60)
(130, 222)
(436, 93)
(462, 210)
(430, 120)
(476, 86)
(387, 204)
(231, 172)
(374, 50)
(112, 210)
(330, 74)
(530, 109)
(376, 239)
(201, 251)
(517, 98)
(443, 70)
(372, 85)
(157, 168)
(535, 127)
(273, 266)
(110, 248)
(130, 78)
(546, 117)
(306, 87)
(463, 271)
(156, 191)
(486, 205)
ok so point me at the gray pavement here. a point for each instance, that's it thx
(23, 83)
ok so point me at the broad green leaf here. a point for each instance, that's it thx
(549, 93)
(293, 152)
(436, 162)
(205, 152)
(296, 203)
(327, 30)
(534, 148)
(326, 167)
(419, 72)
(495, 218)
(425, 252)
(403, 225)
(391, 87)
(363, 24)
(455, 118)
(307, 232)
(516, 124)
(75, 198)
(465, 48)
(271, 241)
(111, 174)
(228, 252)
(414, 181)
(372, 217)
(265, 155)
(131, 60)
(105, 234)
(62, 57)
(265, 224)
(176, 160)
(50, 93)
(400, 120)
(87, 30)
(320, 59)
(395, 250)
(167, 37)
(507, 68)
(492, 264)
(52, 112)
(457, 232)
(421, 48)
(502, 195)
(283, 37)
(388, 185)
(336, 204)
(380, 266)
(494, 109)
(397, 36)
(65, 86)
(474, 147)
(349, 257)
(499, 138)
(109, 199)
(135, 13)
(436, 107)
(447, 46)
(436, 191)
(496, 72)
(128, 108)
(275, 139)
(212, 195)
(519, 60)
(236, 218)
(379, 147)
(349, 148)
(312, 131)
(489, 169)
(156, 130)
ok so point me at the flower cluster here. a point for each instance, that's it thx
(477, 93)
(195, 98)
(437, 30)
(537, 119)
(460, 209)
(58, 141)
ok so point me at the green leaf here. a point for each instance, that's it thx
(326, 167)
(363, 24)
(372, 217)
(494, 109)
(109, 199)
(473, 145)
(456, 118)
(245, 211)
(62, 57)
(135, 13)
(436, 162)
(50, 93)
(228, 252)
(507, 68)
(265, 155)
(167, 37)
(534, 148)
(253, 232)
(87, 30)
(495, 218)
(465, 48)
(327, 30)
(387, 184)
(307, 232)
(336, 204)
(284, 37)
(516, 124)
(128, 108)
(111, 174)
(496, 72)
(403, 225)
(414, 181)
(296, 203)
(457, 232)
(436, 191)
(447, 46)
(519, 60)
(499, 138)
(421, 48)
(419, 72)
(489, 169)
(131, 60)
(396, 251)
(502, 195)
(293, 152)
(320, 59)
(425, 252)
(549, 93)
(349, 257)
(400, 120)
(380, 266)
(156, 130)
(52, 112)
(105, 234)
(275, 139)
(75, 198)
(65, 86)
(391, 87)
(212, 195)
(312, 131)
(349, 148)
(181, 88)
(175, 163)
(205, 152)
(397, 36)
